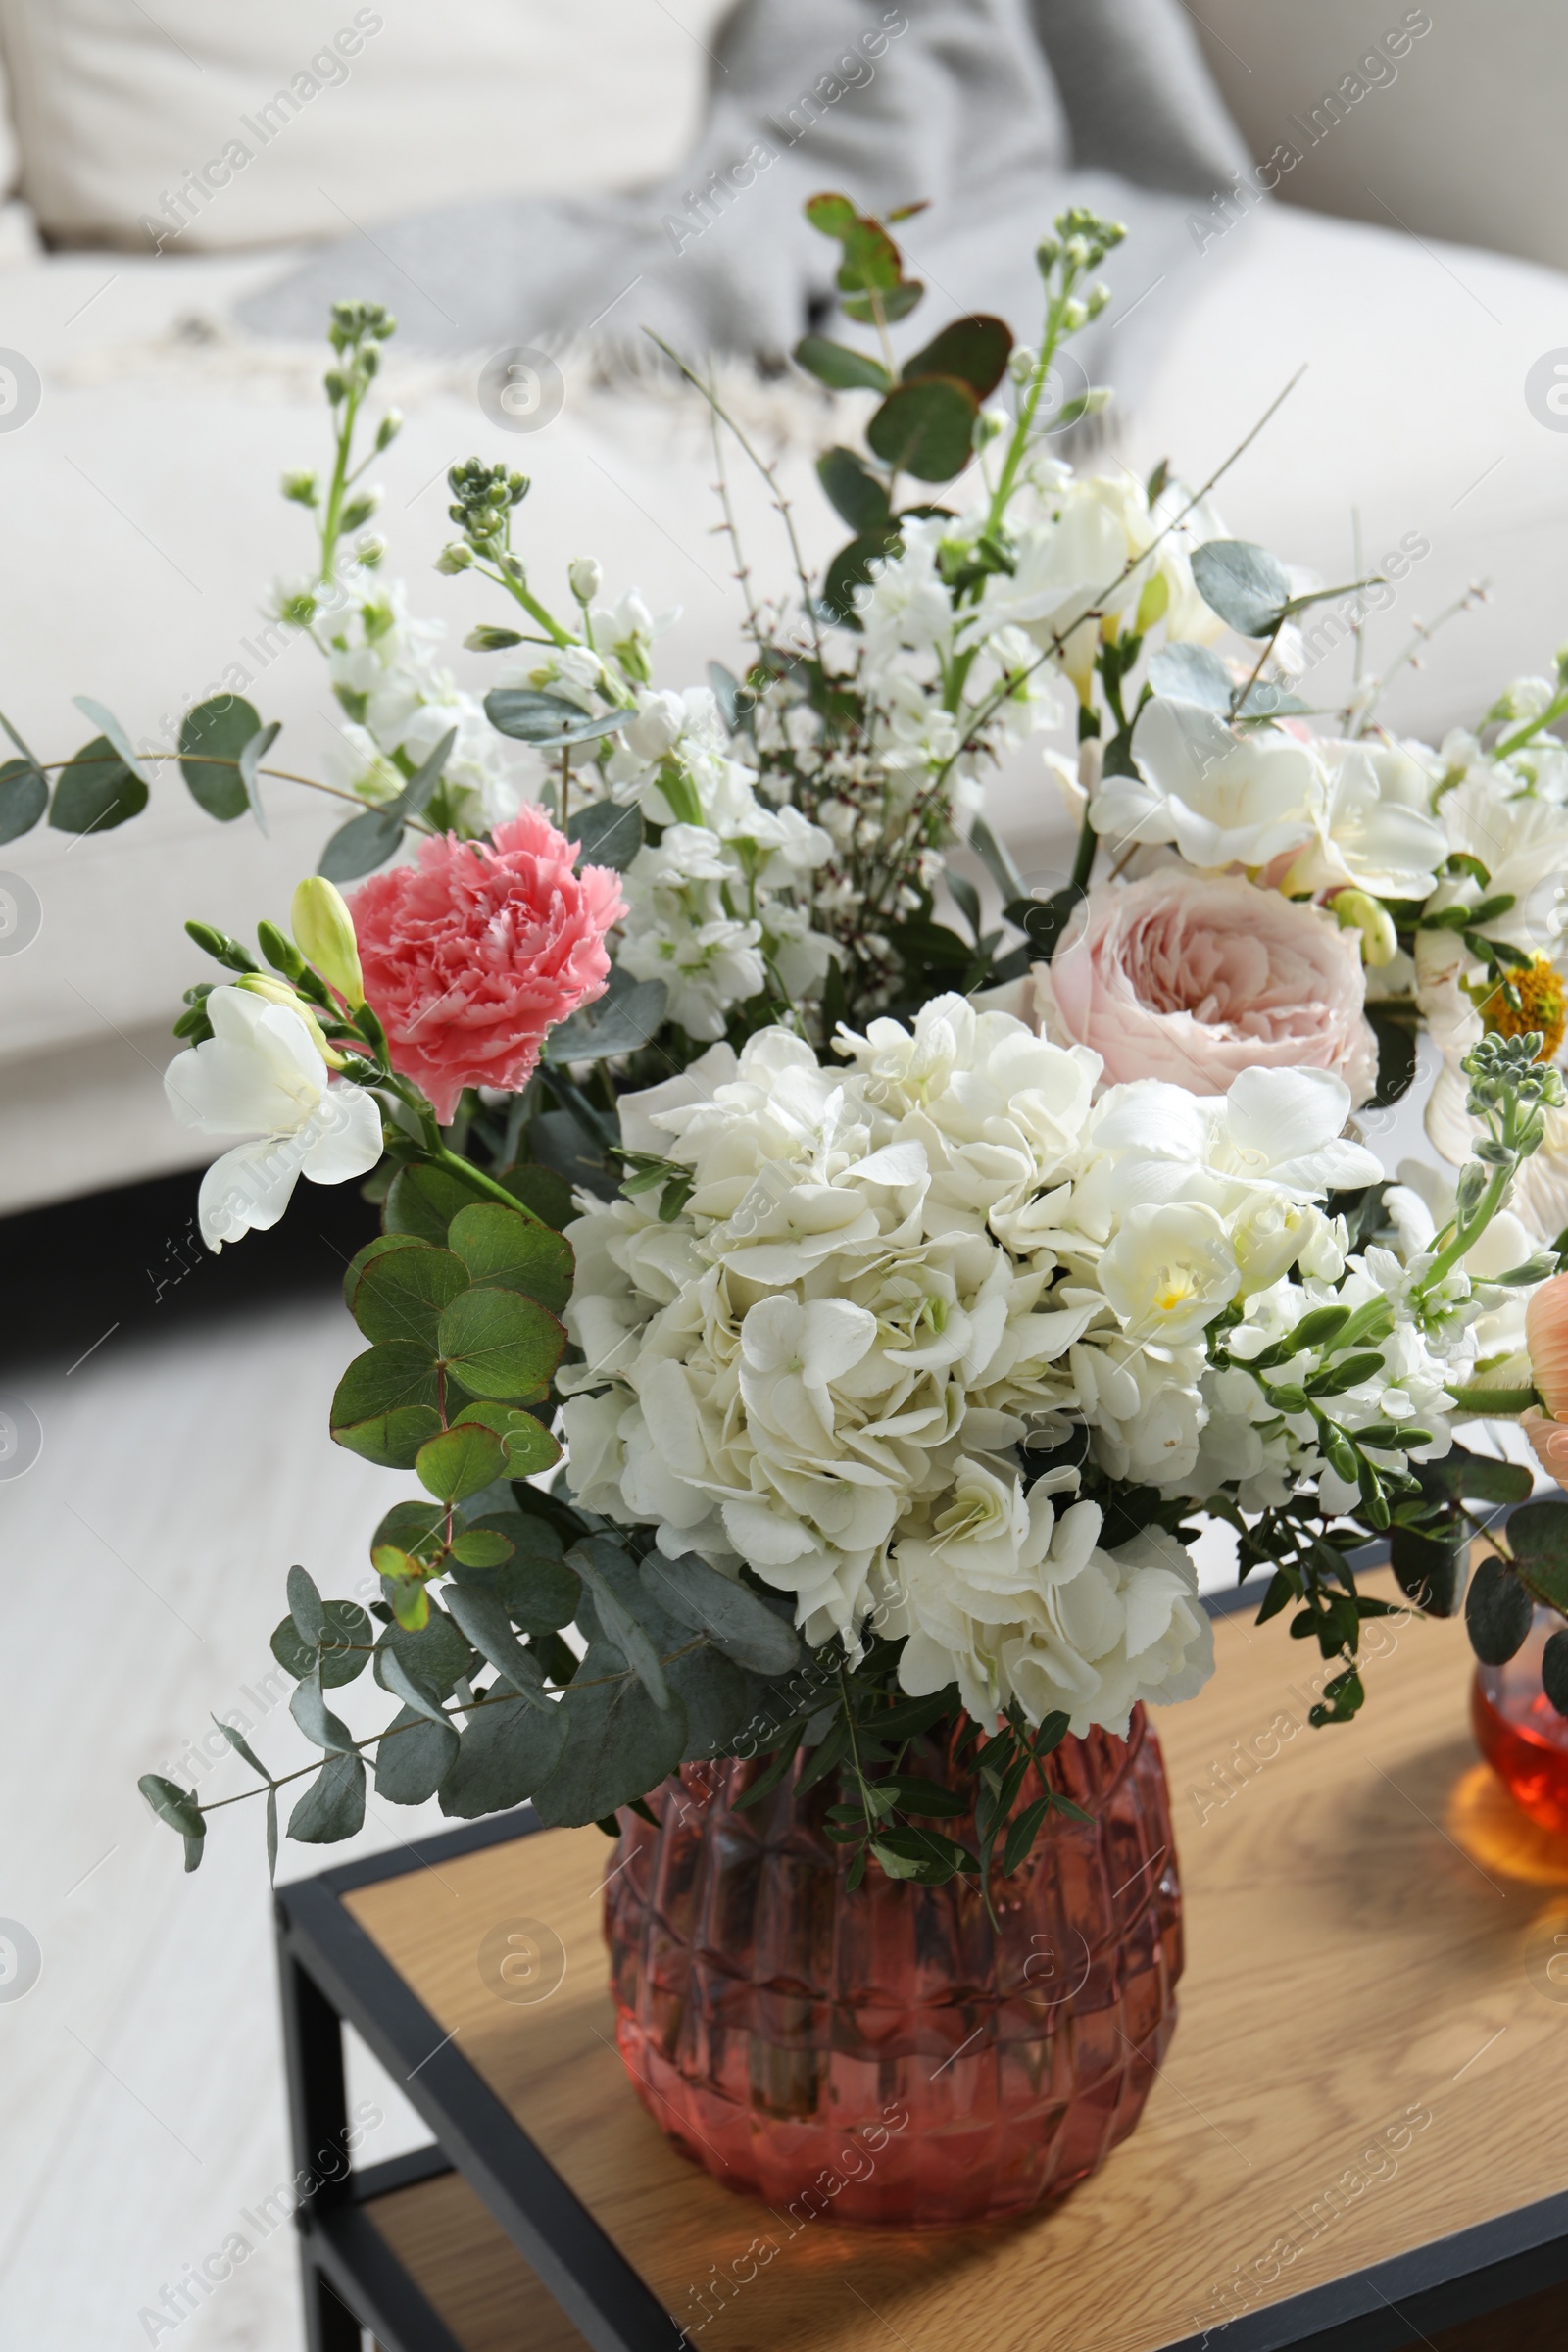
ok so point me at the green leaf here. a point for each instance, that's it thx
(1477, 1478)
(1396, 1047)
(720, 1701)
(419, 790)
(997, 861)
(506, 1750)
(359, 847)
(1243, 583)
(732, 1617)
(528, 1444)
(617, 1744)
(1431, 1569)
(96, 791)
(396, 1677)
(843, 369)
(926, 428)
(536, 1588)
(410, 1768)
(24, 798)
(512, 1252)
(305, 1607)
(1555, 1671)
(1021, 1834)
(545, 1193)
(603, 1565)
(385, 1405)
(423, 1201)
(852, 570)
(114, 734)
(242, 1748)
(315, 1719)
(620, 1022)
(481, 1547)
(345, 1649)
(418, 1528)
(834, 215)
(975, 350)
(1496, 1612)
(333, 1806)
(251, 755)
(435, 1653)
(925, 1855)
(485, 1621)
(177, 1806)
(498, 1343)
(1192, 674)
(610, 835)
(397, 1286)
(1538, 1532)
(460, 1461)
(547, 720)
(897, 303)
(1043, 920)
(853, 490)
(217, 730)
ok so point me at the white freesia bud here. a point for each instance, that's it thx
(1021, 366)
(1354, 911)
(324, 933)
(586, 579)
(278, 991)
(990, 426)
(260, 1074)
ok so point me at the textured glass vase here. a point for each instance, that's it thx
(1519, 1730)
(886, 2054)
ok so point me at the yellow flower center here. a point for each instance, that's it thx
(1173, 1288)
(1543, 1004)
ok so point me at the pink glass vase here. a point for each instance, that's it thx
(887, 2054)
(1519, 1730)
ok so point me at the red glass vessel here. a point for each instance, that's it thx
(886, 2055)
(1519, 1730)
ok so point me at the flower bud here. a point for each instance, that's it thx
(1356, 911)
(278, 991)
(387, 431)
(454, 558)
(324, 932)
(1075, 313)
(300, 487)
(1021, 363)
(586, 579)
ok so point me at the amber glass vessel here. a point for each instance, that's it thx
(887, 2054)
(1519, 1730)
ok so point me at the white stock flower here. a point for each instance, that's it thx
(260, 1074)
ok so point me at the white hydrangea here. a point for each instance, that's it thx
(887, 1280)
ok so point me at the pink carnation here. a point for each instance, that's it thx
(1191, 979)
(471, 956)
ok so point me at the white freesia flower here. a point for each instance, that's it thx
(260, 1074)
(1374, 828)
(1223, 798)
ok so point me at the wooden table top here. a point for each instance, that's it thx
(1370, 2054)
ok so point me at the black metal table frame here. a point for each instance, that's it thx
(333, 1974)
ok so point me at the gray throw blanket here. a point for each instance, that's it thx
(999, 112)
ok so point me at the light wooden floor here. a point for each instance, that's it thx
(142, 1561)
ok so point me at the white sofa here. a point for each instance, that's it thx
(142, 525)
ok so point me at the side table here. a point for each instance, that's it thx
(1355, 2142)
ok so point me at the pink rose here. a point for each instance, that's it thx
(471, 956)
(1193, 979)
(1546, 1338)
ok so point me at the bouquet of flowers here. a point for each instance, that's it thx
(815, 1301)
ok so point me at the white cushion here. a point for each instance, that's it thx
(220, 127)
